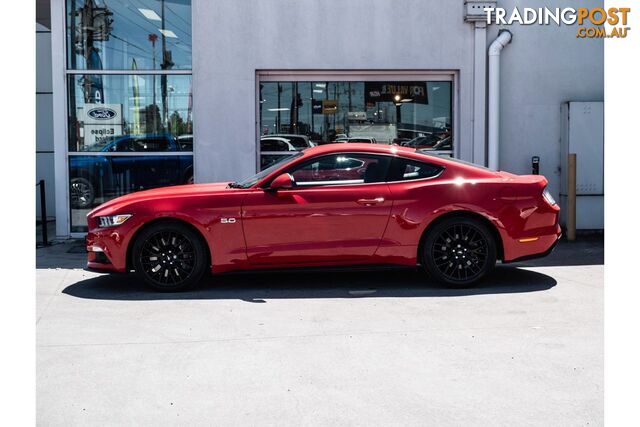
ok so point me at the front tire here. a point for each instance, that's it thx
(169, 256)
(459, 251)
(81, 193)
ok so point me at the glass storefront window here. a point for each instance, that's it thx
(139, 136)
(128, 34)
(410, 113)
(130, 122)
(138, 113)
(96, 179)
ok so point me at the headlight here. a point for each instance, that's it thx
(548, 197)
(112, 220)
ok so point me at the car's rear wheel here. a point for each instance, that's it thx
(169, 256)
(459, 251)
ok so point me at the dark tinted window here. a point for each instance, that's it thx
(150, 144)
(140, 145)
(123, 145)
(341, 169)
(298, 142)
(185, 143)
(406, 169)
(273, 145)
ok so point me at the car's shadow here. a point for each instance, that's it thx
(259, 287)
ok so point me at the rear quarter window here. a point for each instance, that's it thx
(406, 170)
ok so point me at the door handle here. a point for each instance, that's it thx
(370, 202)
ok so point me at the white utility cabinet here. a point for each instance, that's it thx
(583, 134)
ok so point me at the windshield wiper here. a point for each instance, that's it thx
(234, 185)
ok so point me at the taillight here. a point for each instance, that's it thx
(548, 197)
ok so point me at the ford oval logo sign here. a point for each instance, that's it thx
(101, 113)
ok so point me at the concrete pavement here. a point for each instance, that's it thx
(357, 348)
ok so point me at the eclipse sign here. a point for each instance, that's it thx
(101, 122)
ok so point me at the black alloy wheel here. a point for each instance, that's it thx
(81, 193)
(459, 251)
(169, 256)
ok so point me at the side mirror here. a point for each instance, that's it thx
(282, 182)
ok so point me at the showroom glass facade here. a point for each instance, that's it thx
(129, 99)
(410, 113)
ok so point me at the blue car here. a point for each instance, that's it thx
(97, 178)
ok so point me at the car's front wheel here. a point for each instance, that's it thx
(169, 256)
(459, 251)
(81, 193)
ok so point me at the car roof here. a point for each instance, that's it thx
(279, 138)
(393, 149)
(285, 135)
(359, 146)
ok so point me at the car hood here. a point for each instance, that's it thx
(160, 193)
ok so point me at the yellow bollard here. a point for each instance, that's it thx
(571, 198)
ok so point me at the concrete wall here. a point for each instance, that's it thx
(233, 39)
(44, 119)
(542, 68)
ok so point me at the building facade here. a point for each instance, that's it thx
(148, 93)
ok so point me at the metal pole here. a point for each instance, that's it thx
(163, 78)
(313, 128)
(43, 213)
(278, 118)
(571, 199)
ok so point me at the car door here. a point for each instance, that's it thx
(337, 212)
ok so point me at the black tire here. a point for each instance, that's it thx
(459, 251)
(170, 256)
(188, 176)
(81, 193)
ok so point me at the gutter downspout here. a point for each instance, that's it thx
(504, 38)
(479, 93)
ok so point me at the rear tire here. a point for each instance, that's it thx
(459, 252)
(169, 256)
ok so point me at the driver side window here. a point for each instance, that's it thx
(342, 169)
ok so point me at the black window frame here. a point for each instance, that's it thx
(300, 165)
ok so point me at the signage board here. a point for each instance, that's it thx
(357, 116)
(395, 92)
(101, 122)
(316, 106)
(329, 106)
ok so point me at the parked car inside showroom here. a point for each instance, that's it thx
(299, 142)
(111, 176)
(328, 206)
(362, 139)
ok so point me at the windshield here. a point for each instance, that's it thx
(257, 177)
(298, 142)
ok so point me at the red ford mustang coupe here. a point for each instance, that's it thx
(331, 205)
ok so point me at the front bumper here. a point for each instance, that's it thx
(107, 248)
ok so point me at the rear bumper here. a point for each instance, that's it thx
(537, 255)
